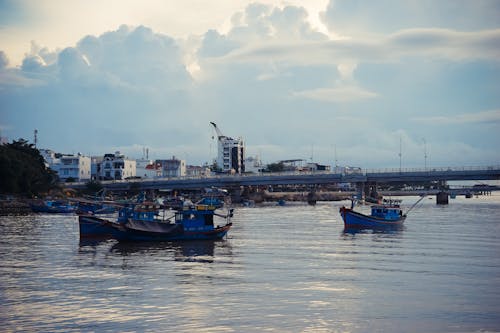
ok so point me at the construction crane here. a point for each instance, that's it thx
(220, 136)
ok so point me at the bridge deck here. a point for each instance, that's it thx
(376, 176)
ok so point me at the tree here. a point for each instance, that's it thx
(275, 167)
(23, 170)
(93, 186)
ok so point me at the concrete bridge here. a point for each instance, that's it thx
(305, 178)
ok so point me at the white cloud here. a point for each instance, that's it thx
(432, 43)
(360, 19)
(273, 78)
(339, 94)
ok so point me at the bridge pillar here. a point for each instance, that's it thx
(442, 198)
(236, 193)
(311, 198)
(360, 189)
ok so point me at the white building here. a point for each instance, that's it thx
(115, 166)
(146, 168)
(172, 167)
(253, 165)
(75, 167)
(316, 167)
(198, 171)
(230, 153)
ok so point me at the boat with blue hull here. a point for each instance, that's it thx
(386, 215)
(147, 222)
(52, 206)
(382, 216)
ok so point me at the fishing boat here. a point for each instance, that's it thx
(383, 215)
(386, 215)
(148, 222)
(52, 206)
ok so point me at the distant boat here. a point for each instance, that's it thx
(95, 207)
(386, 215)
(52, 206)
(147, 222)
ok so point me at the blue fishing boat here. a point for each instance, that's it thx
(148, 222)
(386, 215)
(52, 206)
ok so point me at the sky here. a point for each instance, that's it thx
(372, 84)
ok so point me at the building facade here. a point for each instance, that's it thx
(198, 171)
(172, 167)
(114, 167)
(146, 168)
(253, 165)
(68, 167)
(231, 155)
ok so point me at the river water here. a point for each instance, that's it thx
(281, 269)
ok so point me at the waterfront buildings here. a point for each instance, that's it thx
(68, 167)
(114, 166)
(172, 167)
(230, 153)
(253, 165)
(146, 168)
(197, 171)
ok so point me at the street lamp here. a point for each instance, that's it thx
(425, 154)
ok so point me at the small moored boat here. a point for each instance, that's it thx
(388, 214)
(52, 206)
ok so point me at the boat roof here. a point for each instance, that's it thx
(386, 207)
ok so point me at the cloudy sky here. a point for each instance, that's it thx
(350, 79)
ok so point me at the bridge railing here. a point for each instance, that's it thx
(432, 169)
(360, 172)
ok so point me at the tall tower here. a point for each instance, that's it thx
(230, 152)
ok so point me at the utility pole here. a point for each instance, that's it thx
(36, 137)
(425, 154)
(400, 153)
(335, 157)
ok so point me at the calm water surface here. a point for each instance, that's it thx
(281, 269)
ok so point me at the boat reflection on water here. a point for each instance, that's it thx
(196, 250)
(187, 251)
(393, 229)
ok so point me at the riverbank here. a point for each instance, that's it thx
(14, 206)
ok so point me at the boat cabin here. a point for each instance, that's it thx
(197, 216)
(143, 212)
(387, 212)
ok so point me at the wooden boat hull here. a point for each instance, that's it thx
(355, 220)
(134, 230)
(95, 227)
(158, 231)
